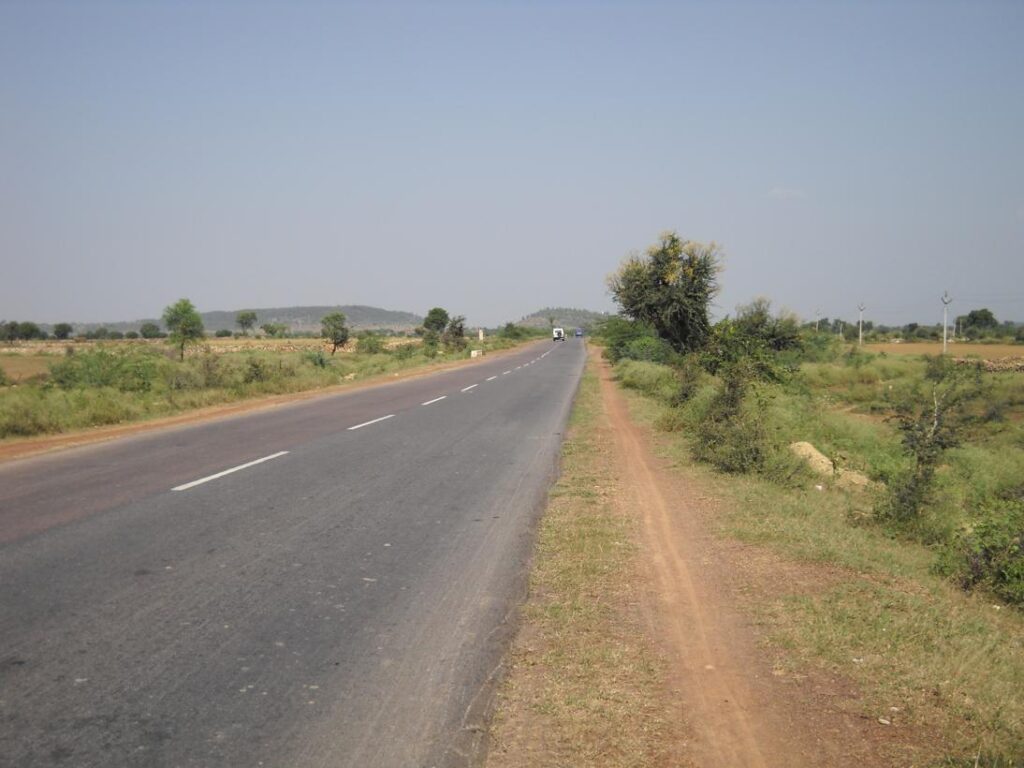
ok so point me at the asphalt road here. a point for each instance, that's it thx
(343, 602)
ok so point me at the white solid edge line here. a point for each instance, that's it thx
(435, 400)
(471, 386)
(491, 378)
(202, 480)
(372, 421)
(506, 373)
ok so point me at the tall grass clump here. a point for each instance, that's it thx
(652, 379)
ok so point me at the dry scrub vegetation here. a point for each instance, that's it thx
(75, 386)
(889, 610)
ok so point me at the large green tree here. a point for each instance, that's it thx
(670, 288)
(150, 331)
(62, 330)
(436, 320)
(334, 329)
(982, 319)
(246, 320)
(184, 323)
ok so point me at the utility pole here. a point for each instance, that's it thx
(860, 325)
(817, 319)
(946, 301)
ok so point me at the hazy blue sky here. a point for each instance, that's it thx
(498, 157)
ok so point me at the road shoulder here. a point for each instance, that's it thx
(639, 645)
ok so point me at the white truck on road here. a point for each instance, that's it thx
(557, 334)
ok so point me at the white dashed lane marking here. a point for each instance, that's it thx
(435, 400)
(207, 479)
(372, 421)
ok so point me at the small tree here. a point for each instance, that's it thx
(274, 330)
(454, 336)
(150, 331)
(334, 329)
(246, 320)
(28, 330)
(62, 330)
(184, 323)
(670, 288)
(370, 343)
(930, 424)
(436, 320)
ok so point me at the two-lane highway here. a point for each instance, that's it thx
(323, 584)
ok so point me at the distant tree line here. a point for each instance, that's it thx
(976, 325)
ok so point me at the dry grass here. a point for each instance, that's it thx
(20, 367)
(584, 686)
(956, 349)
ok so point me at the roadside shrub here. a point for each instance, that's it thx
(178, 378)
(652, 379)
(454, 336)
(730, 437)
(430, 343)
(369, 344)
(404, 351)
(646, 348)
(133, 371)
(513, 331)
(816, 348)
(255, 370)
(929, 425)
(618, 332)
(210, 369)
(317, 358)
(689, 377)
(223, 333)
(991, 553)
(23, 413)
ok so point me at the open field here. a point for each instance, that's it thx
(21, 366)
(957, 349)
(55, 348)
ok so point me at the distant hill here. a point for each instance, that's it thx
(308, 318)
(565, 317)
(298, 319)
